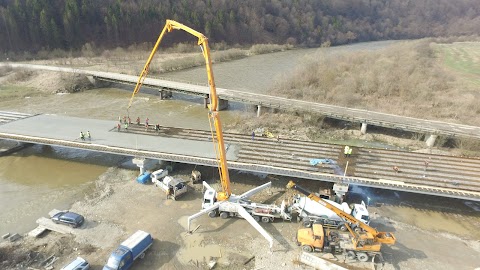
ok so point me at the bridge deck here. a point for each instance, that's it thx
(65, 131)
(336, 112)
(448, 176)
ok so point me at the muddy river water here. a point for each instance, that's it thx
(37, 179)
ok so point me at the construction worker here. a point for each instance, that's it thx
(253, 135)
(346, 150)
(126, 126)
(138, 121)
(146, 122)
(88, 135)
(129, 121)
(118, 127)
(396, 169)
(82, 136)
(426, 168)
(350, 151)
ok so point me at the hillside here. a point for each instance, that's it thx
(34, 25)
(422, 79)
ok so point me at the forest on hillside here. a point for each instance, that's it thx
(32, 25)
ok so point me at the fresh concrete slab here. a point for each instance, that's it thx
(103, 132)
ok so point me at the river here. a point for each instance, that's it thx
(35, 180)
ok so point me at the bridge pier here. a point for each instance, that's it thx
(143, 163)
(96, 82)
(261, 109)
(340, 190)
(164, 93)
(363, 129)
(222, 103)
(431, 140)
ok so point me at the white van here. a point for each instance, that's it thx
(77, 264)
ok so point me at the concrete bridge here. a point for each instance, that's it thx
(362, 117)
(447, 176)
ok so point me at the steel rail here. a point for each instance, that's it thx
(259, 168)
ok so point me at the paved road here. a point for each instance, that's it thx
(446, 176)
(336, 112)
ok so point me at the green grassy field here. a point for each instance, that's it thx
(14, 91)
(463, 57)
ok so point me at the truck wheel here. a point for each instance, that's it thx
(343, 228)
(224, 215)
(142, 255)
(307, 248)
(257, 218)
(307, 224)
(212, 214)
(363, 257)
(351, 255)
(334, 236)
(265, 219)
(357, 230)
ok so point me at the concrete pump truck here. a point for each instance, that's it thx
(222, 203)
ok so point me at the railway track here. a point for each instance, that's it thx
(6, 117)
(446, 176)
(448, 173)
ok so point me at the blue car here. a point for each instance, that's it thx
(71, 219)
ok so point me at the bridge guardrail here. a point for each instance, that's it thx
(386, 184)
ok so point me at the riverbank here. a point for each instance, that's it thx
(118, 206)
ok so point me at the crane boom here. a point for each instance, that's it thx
(381, 237)
(213, 111)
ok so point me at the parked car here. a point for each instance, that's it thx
(77, 264)
(68, 218)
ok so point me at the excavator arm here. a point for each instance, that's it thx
(382, 237)
(213, 113)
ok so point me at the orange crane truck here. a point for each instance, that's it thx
(364, 244)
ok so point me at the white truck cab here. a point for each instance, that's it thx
(158, 175)
(209, 198)
(360, 212)
(173, 187)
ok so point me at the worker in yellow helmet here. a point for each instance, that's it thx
(346, 150)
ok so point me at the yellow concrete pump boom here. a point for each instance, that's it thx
(213, 113)
(380, 237)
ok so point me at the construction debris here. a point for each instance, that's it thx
(14, 237)
(318, 263)
(249, 260)
(211, 264)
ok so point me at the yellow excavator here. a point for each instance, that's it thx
(365, 243)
